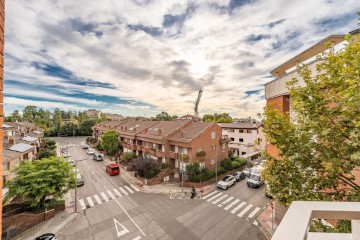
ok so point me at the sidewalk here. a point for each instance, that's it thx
(265, 220)
(53, 225)
(164, 188)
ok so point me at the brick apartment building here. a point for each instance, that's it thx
(277, 95)
(175, 143)
(247, 139)
(2, 42)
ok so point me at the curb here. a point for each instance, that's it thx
(58, 228)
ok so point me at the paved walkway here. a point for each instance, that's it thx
(267, 223)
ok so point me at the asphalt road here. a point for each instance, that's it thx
(112, 209)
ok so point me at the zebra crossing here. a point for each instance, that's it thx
(97, 199)
(236, 207)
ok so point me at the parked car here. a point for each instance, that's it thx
(90, 151)
(79, 180)
(76, 171)
(97, 157)
(46, 236)
(84, 146)
(113, 169)
(71, 162)
(246, 171)
(66, 154)
(226, 182)
(239, 176)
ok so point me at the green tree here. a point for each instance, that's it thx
(29, 113)
(37, 179)
(219, 118)
(319, 143)
(69, 129)
(110, 142)
(15, 116)
(85, 127)
(57, 119)
(163, 116)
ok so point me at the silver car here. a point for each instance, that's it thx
(79, 180)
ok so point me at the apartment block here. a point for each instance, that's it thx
(246, 139)
(2, 43)
(175, 143)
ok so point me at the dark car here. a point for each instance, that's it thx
(239, 176)
(113, 169)
(97, 157)
(46, 236)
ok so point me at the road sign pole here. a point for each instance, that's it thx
(182, 173)
(272, 215)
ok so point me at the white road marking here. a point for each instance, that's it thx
(216, 196)
(137, 238)
(82, 204)
(135, 188)
(104, 196)
(129, 189)
(129, 217)
(90, 201)
(245, 210)
(111, 194)
(97, 198)
(122, 232)
(219, 199)
(238, 207)
(231, 204)
(210, 194)
(117, 192)
(252, 214)
(226, 201)
(255, 223)
(123, 191)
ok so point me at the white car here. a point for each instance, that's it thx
(90, 151)
(226, 182)
(66, 154)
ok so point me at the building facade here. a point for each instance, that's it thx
(2, 42)
(175, 143)
(246, 139)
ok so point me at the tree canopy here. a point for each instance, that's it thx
(37, 179)
(164, 116)
(319, 141)
(219, 118)
(110, 142)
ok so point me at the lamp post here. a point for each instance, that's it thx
(182, 172)
(76, 186)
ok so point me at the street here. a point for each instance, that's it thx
(113, 209)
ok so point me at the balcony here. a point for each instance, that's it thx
(139, 148)
(132, 147)
(173, 155)
(126, 145)
(224, 139)
(145, 149)
(295, 224)
(159, 153)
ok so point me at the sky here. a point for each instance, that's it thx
(142, 57)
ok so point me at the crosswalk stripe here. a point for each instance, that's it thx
(219, 199)
(238, 207)
(110, 194)
(252, 214)
(255, 223)
(117, 192)
(210, 194)
(245, 210)
(97, 198)
(224, 202)
(104, 196)
(135, 188)
(123, 191)
(216, 196)
(90, 201)
(129, 189)
(231, 204)
(82, 204)
(137, 238)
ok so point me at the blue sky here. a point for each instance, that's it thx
(141, 57)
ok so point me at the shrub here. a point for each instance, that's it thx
(220, 170)
(226, 164)
(47, 154)
(235, 164)
(145, 167)
(127, 156)
(201, 153)
(90, 140)
(99, 147)
(152, 173)
(243, 161)
(50, 142)
(164, 165)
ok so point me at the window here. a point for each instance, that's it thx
(248, 131)
(259, 140)
(230, 130)
(241, 130)
(232, 139)
(213, 135)
(212, 161)
(184, 151)
(202, 165)
(243, 153)
(241, 140)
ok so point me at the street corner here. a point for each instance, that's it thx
(266, 221)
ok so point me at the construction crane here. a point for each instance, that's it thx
(196, 108)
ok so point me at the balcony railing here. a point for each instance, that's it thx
(224, 139)
(173, 155)
(295, 224)
(159, 153)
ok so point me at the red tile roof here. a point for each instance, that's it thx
(190, 132)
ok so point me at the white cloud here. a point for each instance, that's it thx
(210, 51)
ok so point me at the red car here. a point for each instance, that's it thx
(113, 169)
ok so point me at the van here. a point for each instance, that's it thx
(113, 169)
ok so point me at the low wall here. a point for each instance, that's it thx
(212, 180)
(17, 224)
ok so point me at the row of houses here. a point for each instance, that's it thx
(21, 142)
(178, 143)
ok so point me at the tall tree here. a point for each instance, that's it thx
(37, 179)
(163, 116)
(15, 116)
(110, 142)
(57, 119)
(29, 113)
(320, 143)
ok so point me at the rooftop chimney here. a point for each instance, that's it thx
(12, 140)
(159, 131)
